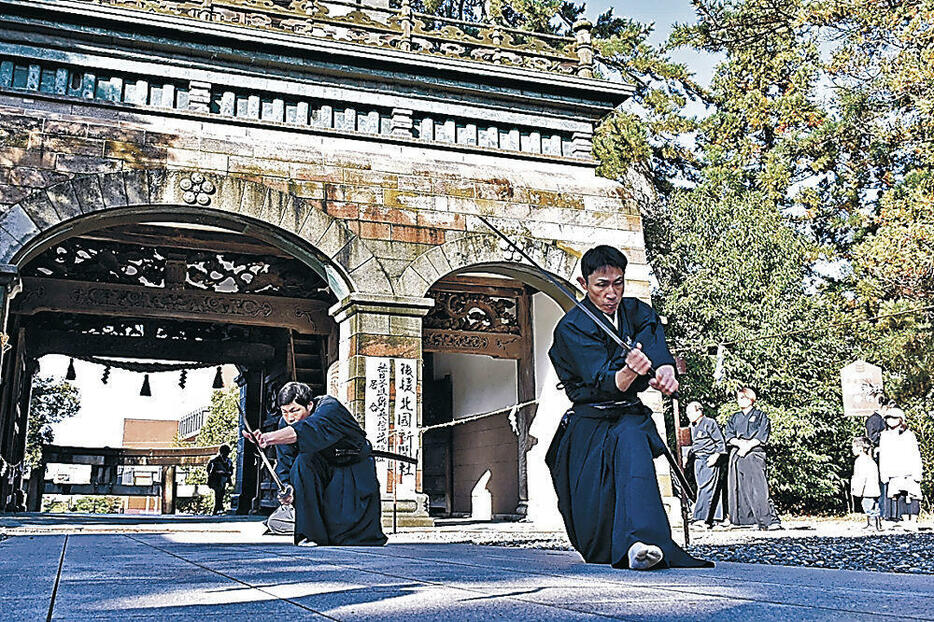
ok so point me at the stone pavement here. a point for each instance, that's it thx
(228, 571)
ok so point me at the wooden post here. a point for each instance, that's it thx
(525, 392)
(168, 489)
(36, 488)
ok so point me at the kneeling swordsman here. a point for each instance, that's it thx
(601, 456)
(323, 454)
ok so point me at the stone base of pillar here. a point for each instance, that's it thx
(405, 513)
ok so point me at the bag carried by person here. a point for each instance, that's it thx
(282, 521)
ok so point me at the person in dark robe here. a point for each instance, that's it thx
(323, 454)
(707, 446)
(747, 435)
(220, 472)
(601, 455)
(875, 424)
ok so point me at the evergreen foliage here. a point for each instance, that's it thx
(51, 402)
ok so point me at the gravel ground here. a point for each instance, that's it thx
(817, 543)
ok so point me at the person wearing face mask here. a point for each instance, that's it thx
(323, 455)
(900, 469)
(747, 435)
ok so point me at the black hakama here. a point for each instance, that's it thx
(747, 486)
(706, 440)
(337, 496)
(601, 458)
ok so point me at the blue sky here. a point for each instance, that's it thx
(663, 13)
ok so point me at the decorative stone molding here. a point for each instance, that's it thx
(197, 189)
(235, 101)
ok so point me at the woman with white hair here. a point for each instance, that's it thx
(900, 468)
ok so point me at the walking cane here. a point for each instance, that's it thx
(686, 489)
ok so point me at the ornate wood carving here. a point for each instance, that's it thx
(467, 311)
(477, 316)
(504, 346)
(305, 316)
(104, 261)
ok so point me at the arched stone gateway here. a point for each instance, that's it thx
(352, 148)
(87, 202)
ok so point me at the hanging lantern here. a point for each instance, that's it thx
(70, 374)
(106, 375)
(183, 378)
(145, 391)
(218, 379)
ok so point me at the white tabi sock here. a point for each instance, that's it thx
(644, 556)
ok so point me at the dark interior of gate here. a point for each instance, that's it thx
(478, 350)
(173, 292)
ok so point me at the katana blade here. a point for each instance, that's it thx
(679, 473)
(262, 455)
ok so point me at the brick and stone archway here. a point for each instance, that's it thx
(298, 225)
(485, 252)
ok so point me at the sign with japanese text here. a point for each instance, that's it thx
(376, 403)
(861, 384)
(404, 432)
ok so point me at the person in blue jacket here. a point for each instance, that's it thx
(323, 454)
(601, 458)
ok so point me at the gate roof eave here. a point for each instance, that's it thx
(507, 81)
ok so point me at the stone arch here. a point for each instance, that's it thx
(483, 252)
(297, 225)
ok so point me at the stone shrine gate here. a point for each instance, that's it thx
(292, 187)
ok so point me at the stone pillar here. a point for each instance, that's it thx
(582, 33)
(383, 326)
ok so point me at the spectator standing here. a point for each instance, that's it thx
(707, 446)
(865, 481)
(900, 468)
(747, 435)
(220, 472)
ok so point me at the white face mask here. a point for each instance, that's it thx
(893, 423)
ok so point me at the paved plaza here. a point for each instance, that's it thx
(130, 570)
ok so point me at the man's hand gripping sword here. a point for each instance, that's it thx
(285, 490)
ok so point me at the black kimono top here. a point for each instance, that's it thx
(875, 424)
(706, 438)
(328, 430)
(586, 359)
(752, 425)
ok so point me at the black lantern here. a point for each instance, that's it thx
(70, 374)
(145, 391)
(218, 379)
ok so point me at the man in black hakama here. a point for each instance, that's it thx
(707, 445)
(747, 434)
(601, 456)
(323, 453)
